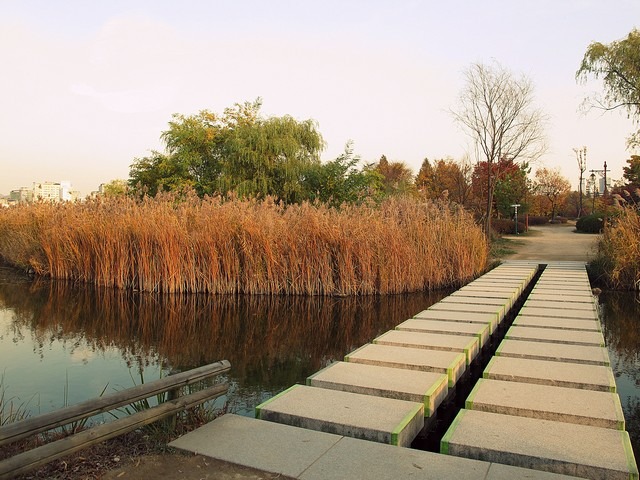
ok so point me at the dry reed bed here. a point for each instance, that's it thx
(168, 245)
(619, 250)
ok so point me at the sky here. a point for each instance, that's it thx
(88, 87)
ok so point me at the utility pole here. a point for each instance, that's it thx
(581, 156)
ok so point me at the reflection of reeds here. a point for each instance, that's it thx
(262, 336)
(619, 251)
(246, 246)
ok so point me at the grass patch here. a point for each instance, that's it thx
(501, 247)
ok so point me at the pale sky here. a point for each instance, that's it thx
(88, 86)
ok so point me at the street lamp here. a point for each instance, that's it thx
(593, 192)
(516, 205)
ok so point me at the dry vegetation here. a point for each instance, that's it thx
(168, 245)
(619, 251)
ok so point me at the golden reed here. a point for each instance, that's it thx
(619, 250)
(210, 245)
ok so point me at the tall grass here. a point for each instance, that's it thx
(170, 245)
(618, 258)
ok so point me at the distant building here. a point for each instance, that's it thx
(601, 186)
(21, 195)
(46, 191)
(54, 192)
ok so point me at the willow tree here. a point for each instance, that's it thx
(496, 110)
(238, 151)
(618, 66)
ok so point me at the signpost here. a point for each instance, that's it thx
(516, 205)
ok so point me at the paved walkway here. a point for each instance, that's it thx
(554, 242)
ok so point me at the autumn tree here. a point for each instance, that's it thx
(617, 64)
(551, 184)
(397, 178)
(510, 184)
(496, 110)
(446, 175)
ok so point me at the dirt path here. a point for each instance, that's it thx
(554, 242)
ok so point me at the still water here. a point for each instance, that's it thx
(62, 344)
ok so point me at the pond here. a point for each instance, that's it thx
(62, 344)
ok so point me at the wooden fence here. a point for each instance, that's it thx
(172, 384)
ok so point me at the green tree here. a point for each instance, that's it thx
(618, 66)
(115, 188)
(341, 181)
(237, 151)
(631, 172)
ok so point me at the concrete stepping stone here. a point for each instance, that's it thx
(378, 419)
(427, 388)
(586, 306)
(560, 447)
(578, 292)
(559, 323)
(572, 405)
(488, 284)
(560, 313)
(501, 305)
(523, 272)
(544, 372)
(461, 317)
(497, 310)
(453, 364)
(253, 443)
(480, 330)
(352, 458)
(511, 292)
(310, 455)
(555, 335)
(562, 288)
(558, 297)
(470, 346)
(557, 352)
(508, 296)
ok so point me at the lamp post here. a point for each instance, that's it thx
(581, 154)
(516, 205)
(593, 192)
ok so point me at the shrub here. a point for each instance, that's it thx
(593, 223)
(504, 226)
(538, 220)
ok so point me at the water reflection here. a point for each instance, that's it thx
(621, 327)
(271, 342)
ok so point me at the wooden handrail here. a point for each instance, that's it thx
(37, 457)
(31, 426)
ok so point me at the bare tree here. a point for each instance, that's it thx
(496, 110)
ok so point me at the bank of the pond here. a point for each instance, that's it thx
(236, 246)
